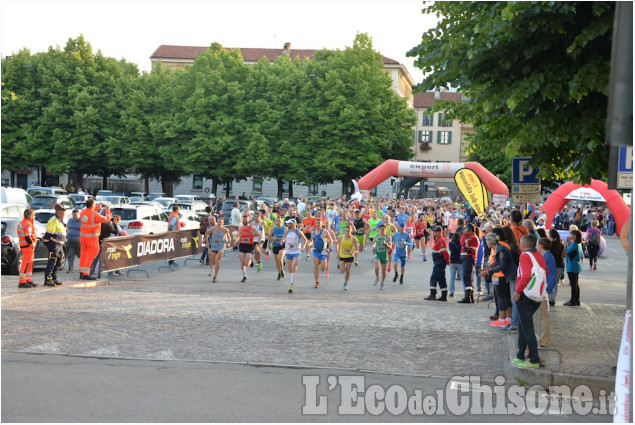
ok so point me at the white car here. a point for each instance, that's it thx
(43, 215)
(12, 210)
(114, 199)
(188, 198)
(189, 220)
(141, 219)
(165, 201)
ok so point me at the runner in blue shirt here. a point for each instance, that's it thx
(403, 245)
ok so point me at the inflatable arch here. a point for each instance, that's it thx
(558, 199)
(392, 167)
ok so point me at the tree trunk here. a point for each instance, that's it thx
(167, 187)
(214, 185)
(290, 189)
(43, 176)
(227, 191)
(280, 183)
(346, 184)
(104, 182)
(146, 182)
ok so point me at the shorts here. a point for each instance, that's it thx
(418, 237)
(347, 259)
(383, 259)
(307, 236)
(398, 258)
(277, 249)
(216, 252)
(360, 238)
(321, 255)
(247, 248)
(292, 256)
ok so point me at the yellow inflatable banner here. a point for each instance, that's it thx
(472, 189)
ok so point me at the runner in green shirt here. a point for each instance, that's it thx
(380, 250)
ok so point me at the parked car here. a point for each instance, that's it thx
(152, 196)
(47, 201)
(43, 215)
(80, 198)
(134, 199)
(267, 200)
(141, 219)
(15, 195)
(165, 201)
(189, 220)
(228, 206)
(11, 254)
(151, 203)
(46, 190)
(104, 192)
(189, 206)
(114, 199)
(188, 198)
(12, 210)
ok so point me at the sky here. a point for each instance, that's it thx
(133, 29)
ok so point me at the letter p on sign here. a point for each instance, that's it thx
(522, 173)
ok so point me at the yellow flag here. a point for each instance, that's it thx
(472, 189)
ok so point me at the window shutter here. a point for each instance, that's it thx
(420, 135)
(439, 136)
(431, 119)
(440, 123)
(449, 137)
(430, 136)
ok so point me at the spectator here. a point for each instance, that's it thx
(455, 261)
(544, 246)
(526, 306)
(557, 250)
(593, 238)
(73, 246)
(574, 266)
(174, 225)
(236, 216)
(206, 224)
(107, 229)
(502, 270)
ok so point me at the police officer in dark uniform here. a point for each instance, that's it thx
(440, 258)
(55, 240)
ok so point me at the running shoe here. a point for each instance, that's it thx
(345, 287)
(326, 273)
(291, 289)
(251, 264)
(394, 279)
(317, 285)
(424, 258)
(401, 280)
(279, 275)
(382, 286)
(516, 361)
(356, 263)
(307, 257)
(376, 282)
(244, 279)
(214, 279)
(499, 323)
(389, 268)
(259, 267)
(528, 365)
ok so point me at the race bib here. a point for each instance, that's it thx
(401, 244)
(217, 241)
(347, 251)
(293, 245)
(360, 231)
(245, 240)
(381, 248)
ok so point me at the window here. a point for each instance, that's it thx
(444, 137)
(257, 185)
(444, 123)
(373, 191)
(197, 182)
(425, 136)
(428, 120)
(313, 189)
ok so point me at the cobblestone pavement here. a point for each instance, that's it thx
(181, 315)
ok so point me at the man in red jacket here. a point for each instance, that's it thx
(526, 306)
(440, 258)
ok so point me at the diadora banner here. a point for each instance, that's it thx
(130, 251)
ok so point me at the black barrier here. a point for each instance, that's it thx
(130, 251)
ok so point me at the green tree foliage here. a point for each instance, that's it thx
(534, 75)
(75, 111)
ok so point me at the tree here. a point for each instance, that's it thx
(359, 121)
(534, 76)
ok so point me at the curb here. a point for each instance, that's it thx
(90, 284)
(548, 375)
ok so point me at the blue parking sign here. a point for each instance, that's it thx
(522, 173)
(625, 159)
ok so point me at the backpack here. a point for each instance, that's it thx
(594, 240)
(536, 288)
(204, 225)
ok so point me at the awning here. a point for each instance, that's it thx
(585, 194)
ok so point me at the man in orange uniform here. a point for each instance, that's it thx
(89, 232)
(28, 240)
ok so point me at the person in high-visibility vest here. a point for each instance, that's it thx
(89, 236)
(28, 241)
(55, 239)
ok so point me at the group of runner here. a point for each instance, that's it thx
(391, 230)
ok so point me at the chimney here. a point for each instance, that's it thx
(287, 47)
(437, 93)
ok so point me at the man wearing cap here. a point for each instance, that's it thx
(441, 259)
(55, 239)
(73, 246)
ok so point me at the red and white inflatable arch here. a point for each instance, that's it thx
(392, 167)
(614, 201)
